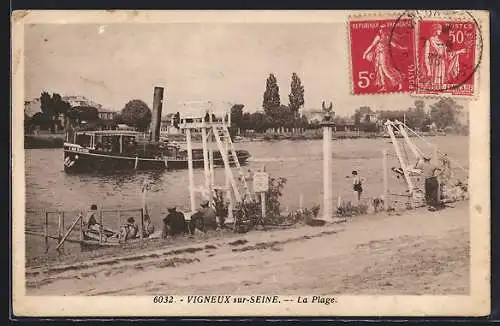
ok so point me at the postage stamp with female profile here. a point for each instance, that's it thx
(382, 55)
(446, 55)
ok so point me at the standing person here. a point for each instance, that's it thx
(357, 185)
(431, 184)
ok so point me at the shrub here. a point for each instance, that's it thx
(347, 209)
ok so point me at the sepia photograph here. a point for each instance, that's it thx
(251, 163)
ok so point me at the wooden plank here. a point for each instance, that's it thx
(100, 226)
(49, 236)
(46, 231)
(80, 218)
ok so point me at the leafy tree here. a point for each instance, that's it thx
(40, 119)
(340, 120)
(136, 113)
(271, 102)
(237, 115)
(84, 113)
(47, 110)
(59, 105)
(357, 117)
(176, 120)
(416, 117)
(296, 96)
(420, 105)
(46, 105)
(445, 112)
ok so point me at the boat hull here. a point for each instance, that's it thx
(88, 162)
(80, 160)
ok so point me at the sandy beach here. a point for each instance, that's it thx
(417, 252)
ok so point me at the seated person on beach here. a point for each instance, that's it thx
(90, 221)
(129, 230)
(204, 219)
(149, 227)
(174, 223)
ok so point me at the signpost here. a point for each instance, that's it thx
(261, 184)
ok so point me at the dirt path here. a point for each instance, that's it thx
(419, 252)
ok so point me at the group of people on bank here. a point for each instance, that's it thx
(175, 223)
(426, 168)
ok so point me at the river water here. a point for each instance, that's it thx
(48, 187)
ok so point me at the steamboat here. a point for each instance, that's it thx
(115, 150)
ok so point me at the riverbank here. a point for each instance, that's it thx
(57, 140)
(43, 141)
(416, 252)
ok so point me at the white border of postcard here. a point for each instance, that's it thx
(477, 303)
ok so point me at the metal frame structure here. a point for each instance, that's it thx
(407, 169)
(214, 133)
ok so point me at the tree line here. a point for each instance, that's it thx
(275, 114)
(135, 113)
(444, 113)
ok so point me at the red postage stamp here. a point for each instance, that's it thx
(446, 56)
(382, 56)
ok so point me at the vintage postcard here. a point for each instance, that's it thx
(251, 163)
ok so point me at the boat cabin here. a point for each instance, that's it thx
(107, 140)
(123, 142)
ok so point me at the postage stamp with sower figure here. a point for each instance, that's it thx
(382, 55)
(414, 54)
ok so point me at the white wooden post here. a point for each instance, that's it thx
(227, 184)
(190, 167)
(327, 172)
(263, 204)
(211, 158)
(301, 201)
(206, 168)
(386, 180)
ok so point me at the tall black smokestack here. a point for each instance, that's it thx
(156, 118)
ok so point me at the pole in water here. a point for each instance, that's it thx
(386, 180)
(263, 204)
(101, 227)
(190, 168)
(59, 226)
(46, 232)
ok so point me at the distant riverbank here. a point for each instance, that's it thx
(43, 141)
(57, 140)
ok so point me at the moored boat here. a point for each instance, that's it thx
(118, 150)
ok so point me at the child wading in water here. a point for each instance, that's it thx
(357, 185)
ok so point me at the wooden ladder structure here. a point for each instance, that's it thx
(214, 130)
(222, 136)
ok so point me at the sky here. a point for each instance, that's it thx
(112, 64)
